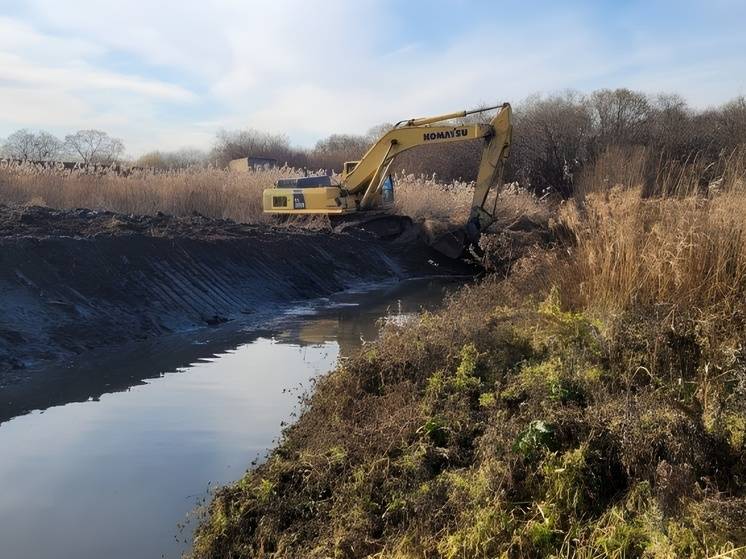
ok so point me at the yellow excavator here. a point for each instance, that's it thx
(364, 184)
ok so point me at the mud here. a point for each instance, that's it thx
(72, 282)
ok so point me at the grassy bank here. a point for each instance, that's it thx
(592, 403)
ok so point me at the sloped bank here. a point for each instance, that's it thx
(72, 281)
(504, 427)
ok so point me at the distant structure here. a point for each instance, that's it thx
(253, 163)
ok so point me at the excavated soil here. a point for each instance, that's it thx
(73, 281)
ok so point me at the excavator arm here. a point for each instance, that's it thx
(491, 165)
(367, 176)
(369, 172)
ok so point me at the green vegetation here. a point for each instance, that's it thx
(591, 403)
(522, 441)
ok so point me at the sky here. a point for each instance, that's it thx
(166, 74)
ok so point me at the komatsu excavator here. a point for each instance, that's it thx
(362, 183)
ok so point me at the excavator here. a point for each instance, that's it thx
(363, 185)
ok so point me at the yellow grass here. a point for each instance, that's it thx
(211, 192)
(422, 197)
(687, 248)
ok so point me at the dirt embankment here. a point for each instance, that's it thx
(72, 281)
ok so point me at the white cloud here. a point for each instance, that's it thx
(310, 68)
(54, 82)
(17, 36)
(38, 108)
(74, 76)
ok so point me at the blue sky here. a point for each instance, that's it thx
(169, 74)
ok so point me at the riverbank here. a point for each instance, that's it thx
(77, 280)
(591, 403)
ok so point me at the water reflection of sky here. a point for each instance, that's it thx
(112, 477)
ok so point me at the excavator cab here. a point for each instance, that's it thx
(387, 191)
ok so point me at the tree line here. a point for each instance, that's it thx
(554, 138)
(327, 155)
(86, 146)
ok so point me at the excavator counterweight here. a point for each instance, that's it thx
(360, 186)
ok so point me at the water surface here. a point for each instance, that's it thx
(115, 476)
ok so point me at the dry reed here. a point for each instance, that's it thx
(681, 243)
(211, 192)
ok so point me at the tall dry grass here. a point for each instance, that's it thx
(644, 232)
(682, 243)
(422, 197)
(211, 192)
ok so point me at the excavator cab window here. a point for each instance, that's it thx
(387, 190)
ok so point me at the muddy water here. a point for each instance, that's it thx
(115, 475)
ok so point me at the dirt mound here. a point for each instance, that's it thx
(75, 280)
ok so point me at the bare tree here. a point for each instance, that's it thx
(46, 147)
(180, 159)
(620, 116)
(34, 146)
(671, 129)
(94, 147)
(733, 120)
(550, 142)
(20, 144)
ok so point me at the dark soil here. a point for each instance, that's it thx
(73, 281)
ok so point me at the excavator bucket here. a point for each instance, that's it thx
(451, 244)
(448, 238)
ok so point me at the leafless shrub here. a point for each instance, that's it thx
(332, 152)
(621, 117)
(560, 139)
(551, 141)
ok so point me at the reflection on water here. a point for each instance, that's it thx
(113, 476)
